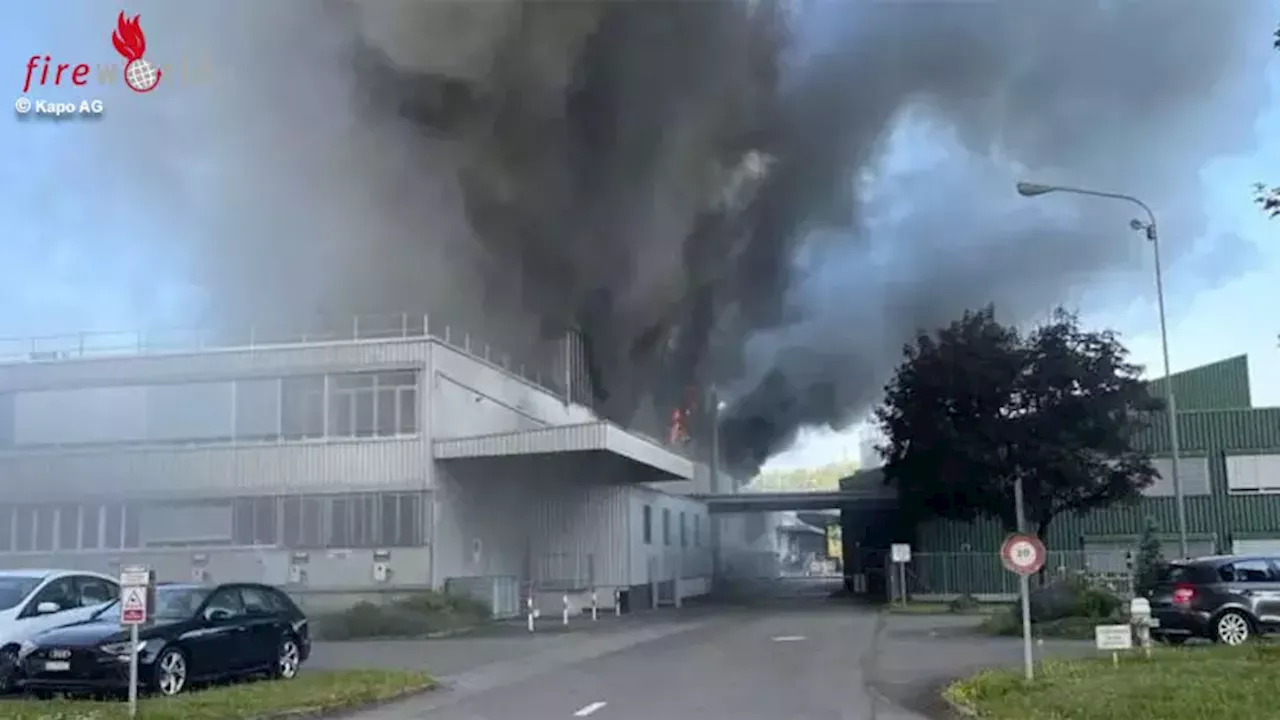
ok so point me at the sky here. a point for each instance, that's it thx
(1204, 326)
(71, 262)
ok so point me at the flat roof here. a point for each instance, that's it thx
(591, 437)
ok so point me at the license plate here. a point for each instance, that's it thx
(57, 666)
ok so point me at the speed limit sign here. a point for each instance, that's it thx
(1022, 554)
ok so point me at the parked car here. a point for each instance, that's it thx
(32, 601)
(195, 634)
(1227, 599)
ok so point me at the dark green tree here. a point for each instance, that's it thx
(1146, 566)
(1268, 198)
(979, 404)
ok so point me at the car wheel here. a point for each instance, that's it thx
(171, 672)
(288, 659)
(1232, 628)
(8, 670)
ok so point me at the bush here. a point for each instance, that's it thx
(1073, 596)
(417, 615)
(964, 603)
(1068, 608)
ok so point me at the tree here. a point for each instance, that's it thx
(1268, 198)
(825, 477)
(977, 405)
(1146, 566)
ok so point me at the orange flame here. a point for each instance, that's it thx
(128, 38)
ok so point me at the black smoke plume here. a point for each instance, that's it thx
(712, 193)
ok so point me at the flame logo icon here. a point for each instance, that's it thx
(139, 74)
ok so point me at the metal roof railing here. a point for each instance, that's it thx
(161, 341)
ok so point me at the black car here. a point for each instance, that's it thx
(1227, 599)
(195, 634)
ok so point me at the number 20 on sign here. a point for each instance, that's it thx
(1022, 554)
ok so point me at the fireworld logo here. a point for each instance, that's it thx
(139, 73)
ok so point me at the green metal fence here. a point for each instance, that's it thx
(945, 576)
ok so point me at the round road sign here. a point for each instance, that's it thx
(1022, 554)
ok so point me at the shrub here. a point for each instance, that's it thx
(419, 614)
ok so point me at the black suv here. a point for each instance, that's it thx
(1227, 598)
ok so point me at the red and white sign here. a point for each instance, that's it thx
(1022, 554)
(133, 605)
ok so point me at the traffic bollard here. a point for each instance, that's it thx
(617, 603)
(565, 601)
(528, 606)
(594, 606)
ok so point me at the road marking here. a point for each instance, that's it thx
(590, 709)
(790, 638)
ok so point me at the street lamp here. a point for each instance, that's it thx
(1027, 189)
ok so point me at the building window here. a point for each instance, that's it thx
(1252, 474)
(1193, 472)
(44, 528)
(647, 524)
(68, 527)
(302, 407)
(684, 536)
(373, 404)
(91, 527)
(254, 521)
(6, 528)
(257, 413)
(666, 526)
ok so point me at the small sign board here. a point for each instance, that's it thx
(1022, 554)
(1113, 637)
(900, 552)
(137, 584)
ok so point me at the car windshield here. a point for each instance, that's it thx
(172, 603)
(14, 589)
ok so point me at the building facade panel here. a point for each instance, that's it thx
(218, 471)
(474, 397)
(1223, 385)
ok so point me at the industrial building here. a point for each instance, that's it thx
(387, 460)
(1230, 471)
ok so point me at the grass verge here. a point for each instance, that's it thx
(308, 695)
(1213, 683)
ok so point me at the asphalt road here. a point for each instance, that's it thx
(810, 662)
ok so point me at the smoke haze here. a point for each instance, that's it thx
(710, 193)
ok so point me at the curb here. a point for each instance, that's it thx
(339, 711)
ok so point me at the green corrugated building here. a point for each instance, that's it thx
(1230, 470)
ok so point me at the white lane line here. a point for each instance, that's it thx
(789, 638)
(585, 711)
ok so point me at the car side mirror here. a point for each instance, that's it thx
(48, 608)
(217, 615)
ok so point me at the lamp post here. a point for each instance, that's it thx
(1148, 227)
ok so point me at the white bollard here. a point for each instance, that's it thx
(528, 605)
(594, 606)
(617, 603)
(565, 601)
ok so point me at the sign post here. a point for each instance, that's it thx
(1023, 554)
(900, 554)
(137, 597)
